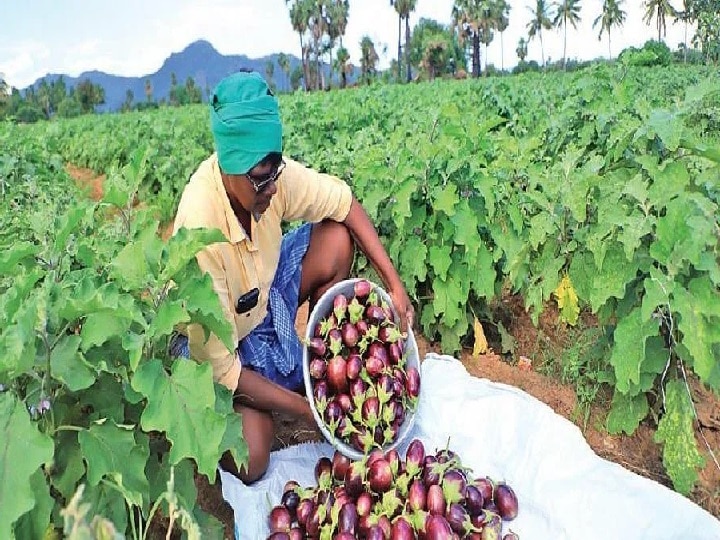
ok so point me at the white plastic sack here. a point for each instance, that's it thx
(565, 491)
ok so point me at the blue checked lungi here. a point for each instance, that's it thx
(273, 348)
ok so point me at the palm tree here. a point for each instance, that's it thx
(299, 17)
(521, 50)
(612, 15)
(284, 62)
(487, 23)
(687, 16)
(540, 21)
(393, 3)
(337, 14)
(567, 11)
(343, 66)
(466, 15)
(658, 9)
(404, 8)
(502, 21)
(368, 59)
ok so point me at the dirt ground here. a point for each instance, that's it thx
(638, 452)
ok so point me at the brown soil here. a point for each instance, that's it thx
(526, 370)
(88, 180)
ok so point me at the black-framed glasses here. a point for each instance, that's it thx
(260, 182)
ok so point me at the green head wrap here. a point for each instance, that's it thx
(245, 122)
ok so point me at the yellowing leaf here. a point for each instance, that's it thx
(567, 300)
(481, 345)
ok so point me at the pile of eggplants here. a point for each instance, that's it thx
(384, 497)
(363, 388)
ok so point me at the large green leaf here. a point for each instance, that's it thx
(675, 431)
(701, 333)
(68, 365)
(130, 267)
(69, 466)
(183, 246)
(21, 455)
(413, 258)
(9, 258)
(169, 314)
(626, 413)
(101, 326)
(34, 524)
(182, 405)
(628, 353)
(203, 305)
(445, 198)
(113, 451)
(439, 257)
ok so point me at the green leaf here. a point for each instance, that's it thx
(69, 466)
(658, 291)
(17, 342)
(9, 258)
(158, 474)
(440, 260)
(626, 412)
(671, 180)
(35, 523)
(68, 223)
(68, 365)
(466, 226)
(233, 437)
(541, 226)
(130, 268)
(637, 188)
(184, 245)
(485, 274)
(614, 275)
(20, 457)
(182, 405)
(134, 343)
(448, 300)
(106, 501)
(203, 305)
(675, 431)
(106, 399)
(700, 332)
(169, 314)
(628, 351)
(100, 327)
(403, 195)
(668, 127)
(112, 451)
(413, 258)
(445, 199)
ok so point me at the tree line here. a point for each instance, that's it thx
(429, 50)
(55, 99)
(321, 25)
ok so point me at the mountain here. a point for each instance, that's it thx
(199, 60)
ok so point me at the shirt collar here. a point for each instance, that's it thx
(235, 232)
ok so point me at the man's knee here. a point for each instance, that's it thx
(342, 246)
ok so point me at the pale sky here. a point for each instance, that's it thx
(134, 37)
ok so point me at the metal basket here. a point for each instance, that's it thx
(323, 307)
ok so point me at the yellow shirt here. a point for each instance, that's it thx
(242, 264)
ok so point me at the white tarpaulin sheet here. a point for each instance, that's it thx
(565, 491)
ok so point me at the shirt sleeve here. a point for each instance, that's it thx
(312, 196)
(225, 364)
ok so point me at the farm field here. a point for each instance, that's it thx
(557, 232)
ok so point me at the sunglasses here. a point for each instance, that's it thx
(260, 182)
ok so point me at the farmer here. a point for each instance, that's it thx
(247, 188)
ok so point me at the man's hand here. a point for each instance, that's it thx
(366, 238)
(403, 305)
